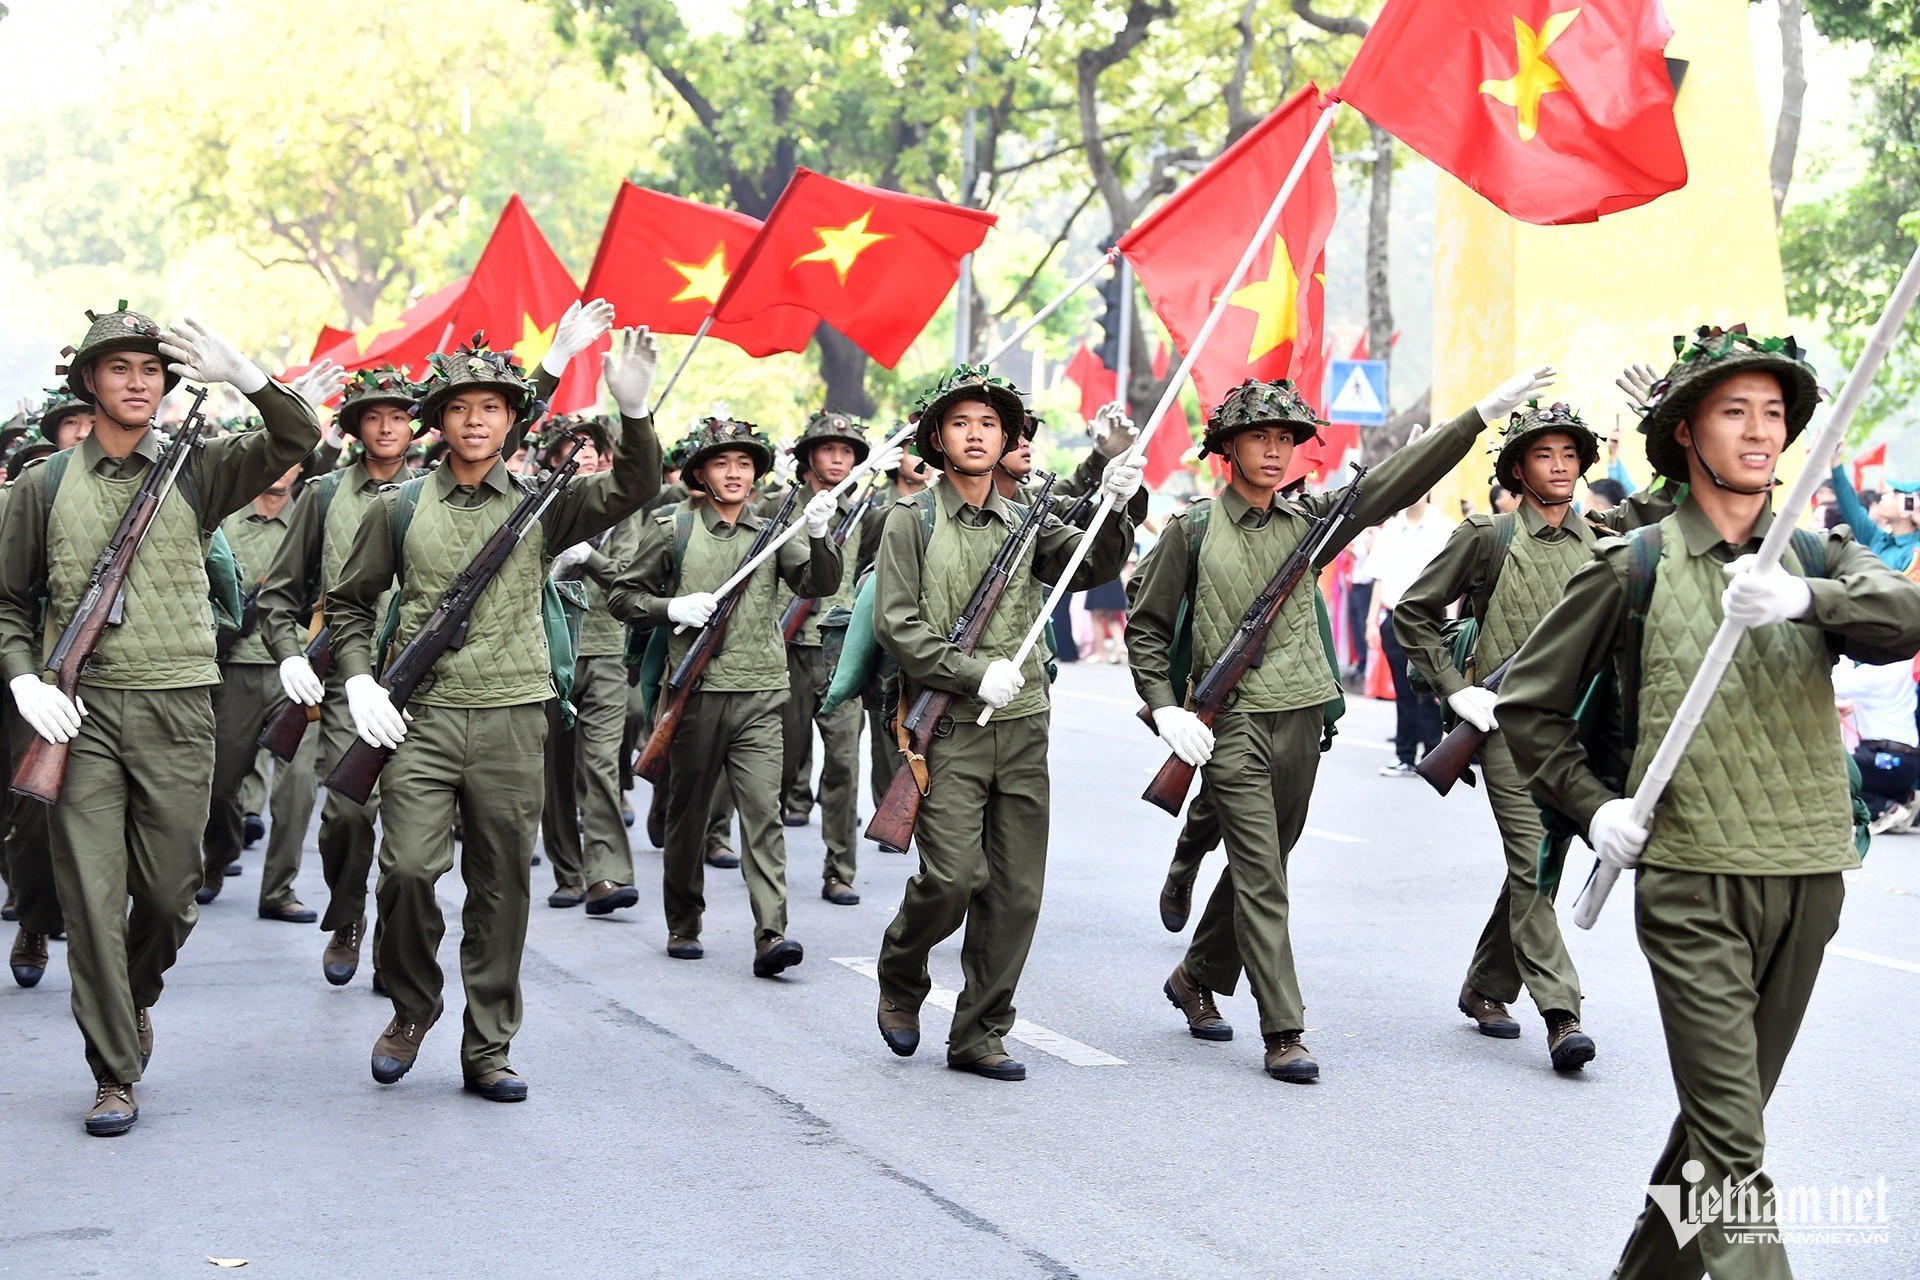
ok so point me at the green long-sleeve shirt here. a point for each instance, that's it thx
(1874, 610)
(286, 603)
(639, 595)
(1161, 583)
(226, 472)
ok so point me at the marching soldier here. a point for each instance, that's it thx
(126, 843)
(983, 827)
(1260, 757)
(734, 717)
(462, 751)
(909, 476)
(1739, 879)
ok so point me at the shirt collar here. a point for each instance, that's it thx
(710, 517)
(496, 479)
(1537, 526)
(1237, 508)
(91, 454)
(1702, 538)
(951, 502)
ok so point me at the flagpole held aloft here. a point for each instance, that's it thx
(1013, 339)
(1172, 392)
(685, 356)
(1686, 719)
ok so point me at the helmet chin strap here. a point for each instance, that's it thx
(1768, 487)
(1543, 501)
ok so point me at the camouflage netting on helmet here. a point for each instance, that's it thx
(1531, 423)
(831, 424)
(117, 330)
(369, 387)
(1703, 361)
(716, 435)
(476, 367)
(965, 382)
(1259, 403)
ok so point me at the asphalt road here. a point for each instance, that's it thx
(687, 1118)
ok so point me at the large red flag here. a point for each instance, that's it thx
(406, 341)
(516, 295)
(873, 264)
(1098, 384)
(1185, 253)
(663, 261)
(1167, 450)
(1554, 110)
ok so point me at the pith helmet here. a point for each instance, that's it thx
(1529, 424)
(117, 330)
(827, 425)
(716, 435)
(1258, 403)
(1703, 361)
(370, 387)
(476, 367)
(965, 382)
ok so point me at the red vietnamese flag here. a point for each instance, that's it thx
(873, 264)
(1323, 453)
(1167, 450)
(329, 338)
(1185, 253)
(1555, 110)
(1098, 384)
(516, 295)
(663, 261)
(405, 341)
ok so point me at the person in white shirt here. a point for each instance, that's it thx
(1879, 701)
(1401, 549)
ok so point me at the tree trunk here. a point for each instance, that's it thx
(1378, 443)
(1379, 224)
(359, 298)
(1793, 92)
(843, 367)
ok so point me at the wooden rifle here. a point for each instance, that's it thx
(1447, 763)
(224, 643)
(800, 608)
(288, 724)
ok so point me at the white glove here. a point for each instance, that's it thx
(1637, 380)
(199, 353)
(1122, 478)
(1475, 705)
(573, 555)
(692, 610)
(1755, 599)
(1615, 836)
(46, 709)
(629, 370)
(1185, 735)
(1112, 430)
(319, 384)
(299, 683)
(378, 722)
(885, 459)
(1514, 392)
(821, 508)
(578, 329)
(1001, 681)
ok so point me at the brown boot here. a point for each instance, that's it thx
(607, 896)
(567, 895)
(995, 1066)
(774, 955)
(900, 1029)
(1568, 1046)
(342, 957)
(29, 958)
(143, 1023)
(114, 1110)
(722, 858)
(1189, 997)
(684, 948)
(1176, 902)
(498, 1086)
(211, 883)
(1288, 1059)
(397, 1047)
(839, 892)
(290, 913)
(1492, 1016)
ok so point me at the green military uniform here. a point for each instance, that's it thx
(1267, 745)
(1739, 885)
(126, 836)
(250, 692)
(479, 722)
(982, 831)
(320, 528)
(734, 716)
(882, 749)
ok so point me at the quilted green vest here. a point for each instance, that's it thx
(166, 640)
(601, 634)
(504, 660)
(1236, 564)
(753, 660)
(1532, 579)
(956, 558)
(809, 634)
(255, 543)
(346, 505)
(1763, 789)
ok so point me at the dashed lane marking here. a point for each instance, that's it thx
(1867, 957)
(1033, 1034)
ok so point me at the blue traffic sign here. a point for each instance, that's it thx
(1357, 392)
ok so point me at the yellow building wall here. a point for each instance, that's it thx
(1590, 299)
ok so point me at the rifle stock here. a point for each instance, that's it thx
(1447, 763)
(288, 725)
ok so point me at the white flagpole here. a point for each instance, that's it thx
(1013, 340)
(681, 367)
(1254, 247)
(1720, 653)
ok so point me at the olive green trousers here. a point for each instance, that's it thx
(807, 678)
(247, 694)
(581, 829)
(725, 756)
(346, 840)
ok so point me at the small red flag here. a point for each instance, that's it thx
(1870, 468)
(1555, 110)
(329, 338)
(1167, 450)
(1185, 253)
(516, 295)
(873, 264)
(1098, 384)
(405, 341)
(663, 261)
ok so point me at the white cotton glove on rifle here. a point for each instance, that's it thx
(1755, 599)
(885, 459)
(1615, 836)
(1475, 705)
(319, 384)
(1112, 430)
(1122, 478)
(47, 710)
(1001, 681)
(692, 610)
(1637, 381)
(1185, 734)
(299, 683)
(200, 354)
(1514, 392)
(819, 513)
(629, 370)
(579, 328)
(573, 555)
(378, 722)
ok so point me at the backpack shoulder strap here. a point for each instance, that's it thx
(927, 505)
(406, 497)
(1643, 569)
(55, 470)
(1199, 515)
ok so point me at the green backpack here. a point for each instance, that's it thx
(1462, 633)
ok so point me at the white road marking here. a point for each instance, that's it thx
(1338, 837)
(1027, 1033)
(1885, 962)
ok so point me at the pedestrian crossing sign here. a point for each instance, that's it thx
(1358, 392)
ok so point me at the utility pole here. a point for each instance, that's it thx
(1124, 356)
(963, 296)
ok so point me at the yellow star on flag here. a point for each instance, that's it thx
(704, 280)
(1536, 76)
(534, 341)
(366, 337)
(1275, 300)
(841, 245)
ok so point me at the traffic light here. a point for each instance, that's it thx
(1110, 335)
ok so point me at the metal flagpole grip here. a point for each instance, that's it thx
(1726, 640)
(1179, 380)
(787, 534)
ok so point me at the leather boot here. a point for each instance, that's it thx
(567, 895)
(839, 893)
(211, 884)
(291, 913)
(722, 858)
(342, 957)
(1492, 1016)
(29, 958)
(776, 954)
(1288, 1059)
(684, 948)
(1196, 1002)
(114, 1110)
(396, 1049)
(1568, 1046)
(995, 1066)
(606, 896)
(1176, 902)
(899, 1028)
(143, 1024)
(499, 1086)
